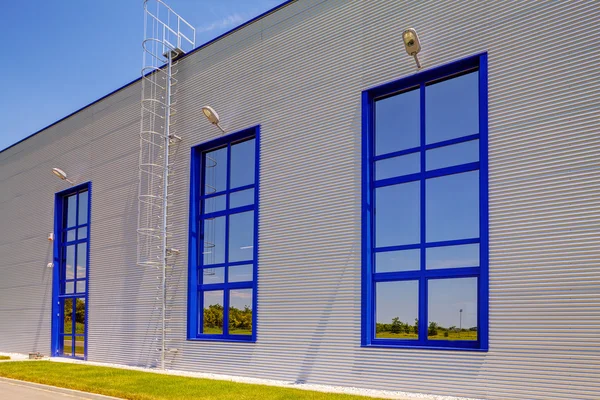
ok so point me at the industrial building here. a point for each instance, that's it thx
(303, 200)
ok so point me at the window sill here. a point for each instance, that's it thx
(221, 339)
(425, 347)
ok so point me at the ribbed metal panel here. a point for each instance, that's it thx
(299, 72)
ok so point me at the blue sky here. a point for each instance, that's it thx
(63, 55)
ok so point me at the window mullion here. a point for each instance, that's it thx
(226, 271)
(422, 280)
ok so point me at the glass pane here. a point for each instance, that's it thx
(404, 260)
(70, 262)
(80, 286)
(213, 312)
(397, 310)
(215, 171)
(71, 210)
(241, 236)
(452, 108)
(240, 312)
(214, 204)
(397, 122)
(397, 166)
(452, 207)
(83, 208)
(82, 233)
(241, 198)
(214, 241)
(213, 275)
(80, 316)
(69, 287)
(79, 346)
(242, 163)
(466, 255)
(456, 154)
(71, 235)
(68, 345)
(397, 209)
(241, 273)
(68, 316)
(81, 260)
(452, 309)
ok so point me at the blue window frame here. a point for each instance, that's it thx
(425, 209)
(223, 252)
(71, 272)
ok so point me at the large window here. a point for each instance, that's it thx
(425, 240)
(223, 238)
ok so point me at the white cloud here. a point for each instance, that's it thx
(232, 19)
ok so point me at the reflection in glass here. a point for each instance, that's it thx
(397, 122)
(466, 255)
(81, 260)
(214, 204)
(240, 312)
(397, 310)
(241, 198)
(79, 346)
(80, 316)
(70, 262)
(242, 163)
(68, 345)
(70, 235)
(68, 316)
(83, 208)
(241, 273)
(397, 166)
(452, 309)
(215, 171)
(212, 321)
(71, 210)
(241, 236)
(456, 154)
(452, 108)
(397, 220)
(69, 287)
(82, 233)
(452, 207)
(79, 326)
(392, 261)
(214, 241)
(213, 275)
(80, 286)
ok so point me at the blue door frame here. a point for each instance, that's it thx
(70, 283)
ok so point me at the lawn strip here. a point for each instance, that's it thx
(138, 385)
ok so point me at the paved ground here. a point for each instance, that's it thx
(17, 390)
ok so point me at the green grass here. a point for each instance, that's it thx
(218, 331)
(4, 358)
(390, 335)
(137, 385)
(465, 335)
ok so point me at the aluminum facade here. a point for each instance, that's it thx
(298, 73)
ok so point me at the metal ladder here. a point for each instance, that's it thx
(166, 37)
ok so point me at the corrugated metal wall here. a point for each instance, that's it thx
(299, 72)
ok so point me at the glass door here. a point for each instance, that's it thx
(70, 291)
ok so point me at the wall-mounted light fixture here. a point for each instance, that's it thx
(212, 116)
(412, 44)
(61, 174)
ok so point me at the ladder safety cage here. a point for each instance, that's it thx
(167, 36)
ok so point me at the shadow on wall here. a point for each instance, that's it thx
(46, 280)
(312, 351)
